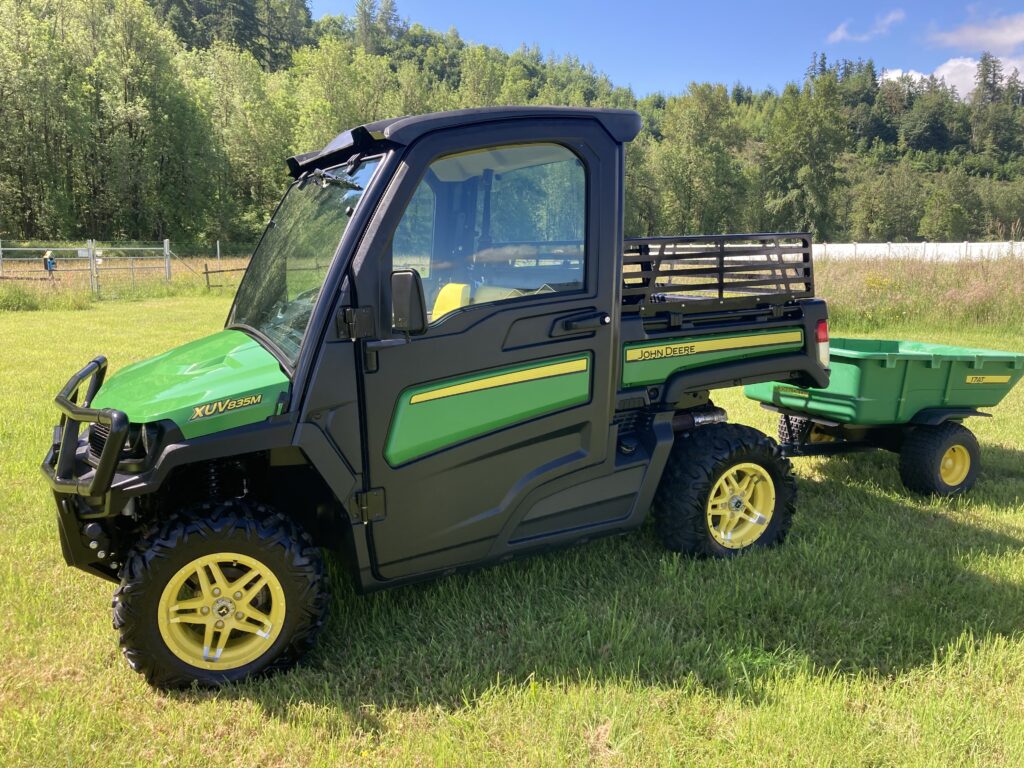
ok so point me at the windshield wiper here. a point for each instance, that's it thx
(323, 178)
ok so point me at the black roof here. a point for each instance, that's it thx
(622, 125)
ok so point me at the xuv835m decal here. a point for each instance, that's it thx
(431, 417)
(653, 362)
(227, 404)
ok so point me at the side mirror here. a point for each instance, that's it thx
(408, 310)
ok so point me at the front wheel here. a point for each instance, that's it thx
(726, 489)
(219, 593)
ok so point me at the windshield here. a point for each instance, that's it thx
(281, 285)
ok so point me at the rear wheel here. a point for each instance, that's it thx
(943, 460)
(793, 429)
(726, 489)
(797, 430)
(217, 594)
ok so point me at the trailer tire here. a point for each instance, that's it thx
(942, 460)
(271, 620)
(693, 507)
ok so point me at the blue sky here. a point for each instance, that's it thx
(662, 46)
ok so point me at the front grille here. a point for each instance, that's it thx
(98, 434)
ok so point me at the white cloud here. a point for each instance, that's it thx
(896, 73)
(1000, 35)
(881, 27)
(957, 72)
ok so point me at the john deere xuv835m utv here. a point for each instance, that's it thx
(443, 354)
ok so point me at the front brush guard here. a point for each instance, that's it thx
(61, 463)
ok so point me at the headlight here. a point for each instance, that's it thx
(150, 437)
(142, 438)
(133, 443)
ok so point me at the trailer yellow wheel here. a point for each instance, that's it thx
(741, 505)
(221, 611)
(941, 460)
(956, 464)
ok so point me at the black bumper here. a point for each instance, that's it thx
(81, 490)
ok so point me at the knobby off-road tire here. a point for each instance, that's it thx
(793, 429)
(697, 473)
(943, 460)
(240, 564)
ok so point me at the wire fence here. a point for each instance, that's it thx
(117, 269)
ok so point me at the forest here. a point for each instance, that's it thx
(127, 119)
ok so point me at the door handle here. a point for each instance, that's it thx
(589, 322)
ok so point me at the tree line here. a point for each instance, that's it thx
(172, 118)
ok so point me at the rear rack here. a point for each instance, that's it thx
(700, 272)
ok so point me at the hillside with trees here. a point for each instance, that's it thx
(173, 118)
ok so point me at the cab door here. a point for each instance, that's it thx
(478, 430)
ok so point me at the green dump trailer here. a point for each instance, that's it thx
(903, 396)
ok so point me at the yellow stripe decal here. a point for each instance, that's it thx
(686, 348)
(504, 379)
(987, 379)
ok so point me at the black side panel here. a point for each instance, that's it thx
(332, 402)
(603, 499)
(329, 463)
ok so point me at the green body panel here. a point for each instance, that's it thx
(421, 428)
(748, 344)
(889, 382)
(236, 379)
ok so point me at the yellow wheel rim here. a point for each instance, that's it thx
(956, 464)
(817, 436)
(741, 505)
(221, 611)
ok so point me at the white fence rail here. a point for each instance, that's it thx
(924, 251)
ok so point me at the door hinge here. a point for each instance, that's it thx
(355, 322)
(371, 505)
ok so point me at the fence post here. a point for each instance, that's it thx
(888, 250)
(2, 257)
(131, 270)
(167, 260)
(206, 274)
(94, 278)
(218, 250)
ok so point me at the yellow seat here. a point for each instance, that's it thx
(449, 298)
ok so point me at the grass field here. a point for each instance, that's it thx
(888, 630)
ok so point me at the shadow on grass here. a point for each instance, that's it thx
(870, 580)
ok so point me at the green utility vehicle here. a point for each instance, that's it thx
(443, 354)
(903, 396)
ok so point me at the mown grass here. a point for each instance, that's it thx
(886, 631)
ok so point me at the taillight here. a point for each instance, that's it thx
(821, 335)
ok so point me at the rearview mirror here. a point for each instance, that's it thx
(408, 310)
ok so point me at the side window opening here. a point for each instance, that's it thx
(495, 225)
